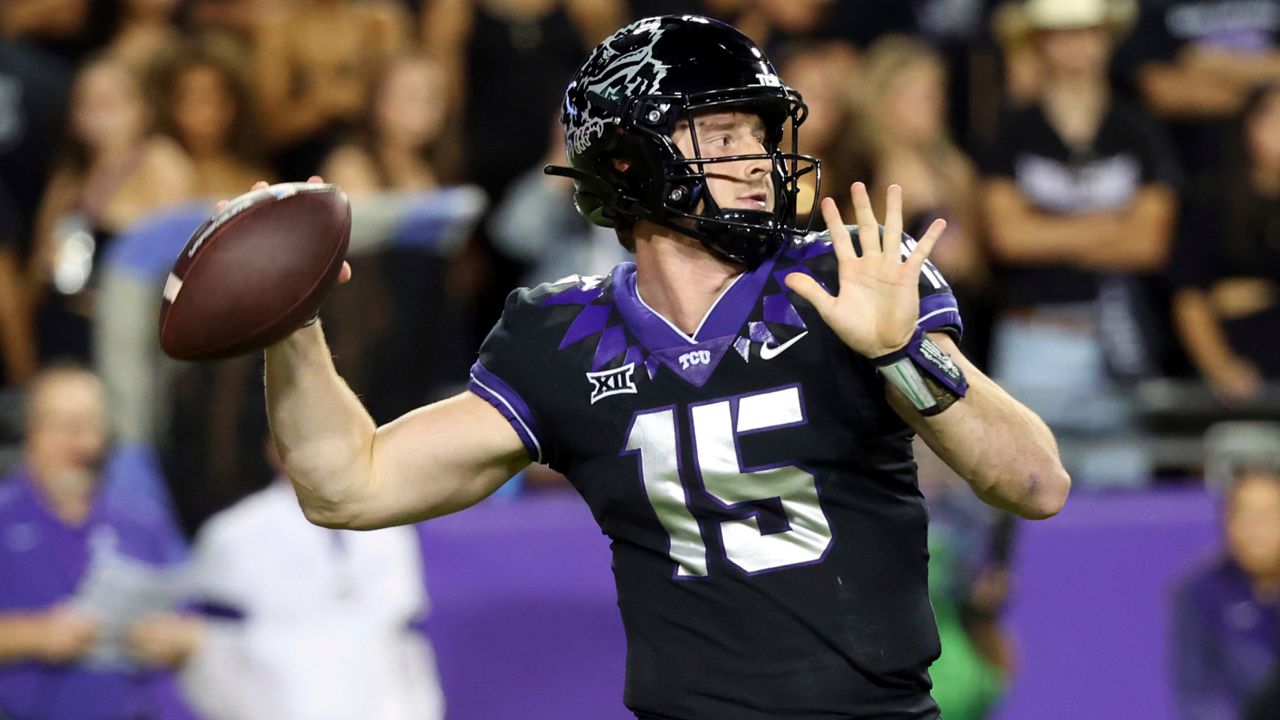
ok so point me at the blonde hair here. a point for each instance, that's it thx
(883, 65)
(885, 62)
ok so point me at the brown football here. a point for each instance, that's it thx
(255, 271)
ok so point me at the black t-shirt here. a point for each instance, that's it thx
(1223, 237)
(1129, 152)
(34, 87)
(758, 491)
(11, 218)
(1166, 27)
(1233, 234)
(517, 71)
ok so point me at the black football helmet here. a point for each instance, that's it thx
(626, 101)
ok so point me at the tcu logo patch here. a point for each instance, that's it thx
(612, 382)
(697, 357)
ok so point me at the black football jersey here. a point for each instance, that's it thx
(758, 491)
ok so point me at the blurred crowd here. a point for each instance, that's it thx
(1110, 171)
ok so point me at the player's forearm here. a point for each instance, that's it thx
(1002, 449)
(322, 432)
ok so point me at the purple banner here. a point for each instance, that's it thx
(1090, 608)
(525, 621)
(524, 615)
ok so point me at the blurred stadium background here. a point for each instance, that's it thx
(1111, 171)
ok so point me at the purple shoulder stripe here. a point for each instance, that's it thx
(508, 402)
(938, 312)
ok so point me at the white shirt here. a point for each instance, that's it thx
(326, 633)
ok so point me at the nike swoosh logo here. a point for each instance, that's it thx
(769, 353)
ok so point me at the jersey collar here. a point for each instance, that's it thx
(725, 318)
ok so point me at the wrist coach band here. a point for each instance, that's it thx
(925, 374)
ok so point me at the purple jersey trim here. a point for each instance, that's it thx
(939, 312)
(725, 319)
(508, 402)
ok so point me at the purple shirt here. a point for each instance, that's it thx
(42, 560)
(1224, 642)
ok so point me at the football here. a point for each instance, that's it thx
(255, 271)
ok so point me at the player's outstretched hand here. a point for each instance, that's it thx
(345, 273)
(878, 302)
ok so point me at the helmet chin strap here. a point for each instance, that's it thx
(739, 235)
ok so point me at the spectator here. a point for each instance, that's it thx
(68, 29)
(147, 33)
(1265, 703)
(315, 65)
(17, 342)
(34, 90)
(1195, 62)
(61, 518)
(777, 23)
(300, 622)
(537, 224)
(235, 18)
(508, 61)
(209, 109)
(1227, 307)
(1225, 611)
(113, 172)
(399, 149)
(830, 130)
(904, 117)
(1079, 195)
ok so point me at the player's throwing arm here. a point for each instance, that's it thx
(252, 278)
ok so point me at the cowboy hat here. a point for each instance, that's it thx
(1015, 21)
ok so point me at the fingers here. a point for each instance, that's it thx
(839, 234)
(892, 241)
(260, 185)
(809, 289)
(925, 245)
(868, 228)
(315, 180)
(221, 204)
(344, 275)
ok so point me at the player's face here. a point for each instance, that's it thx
(1253, 524)
(737, 184)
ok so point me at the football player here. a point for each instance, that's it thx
(736, 407)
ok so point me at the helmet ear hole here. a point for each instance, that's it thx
(682, 197)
